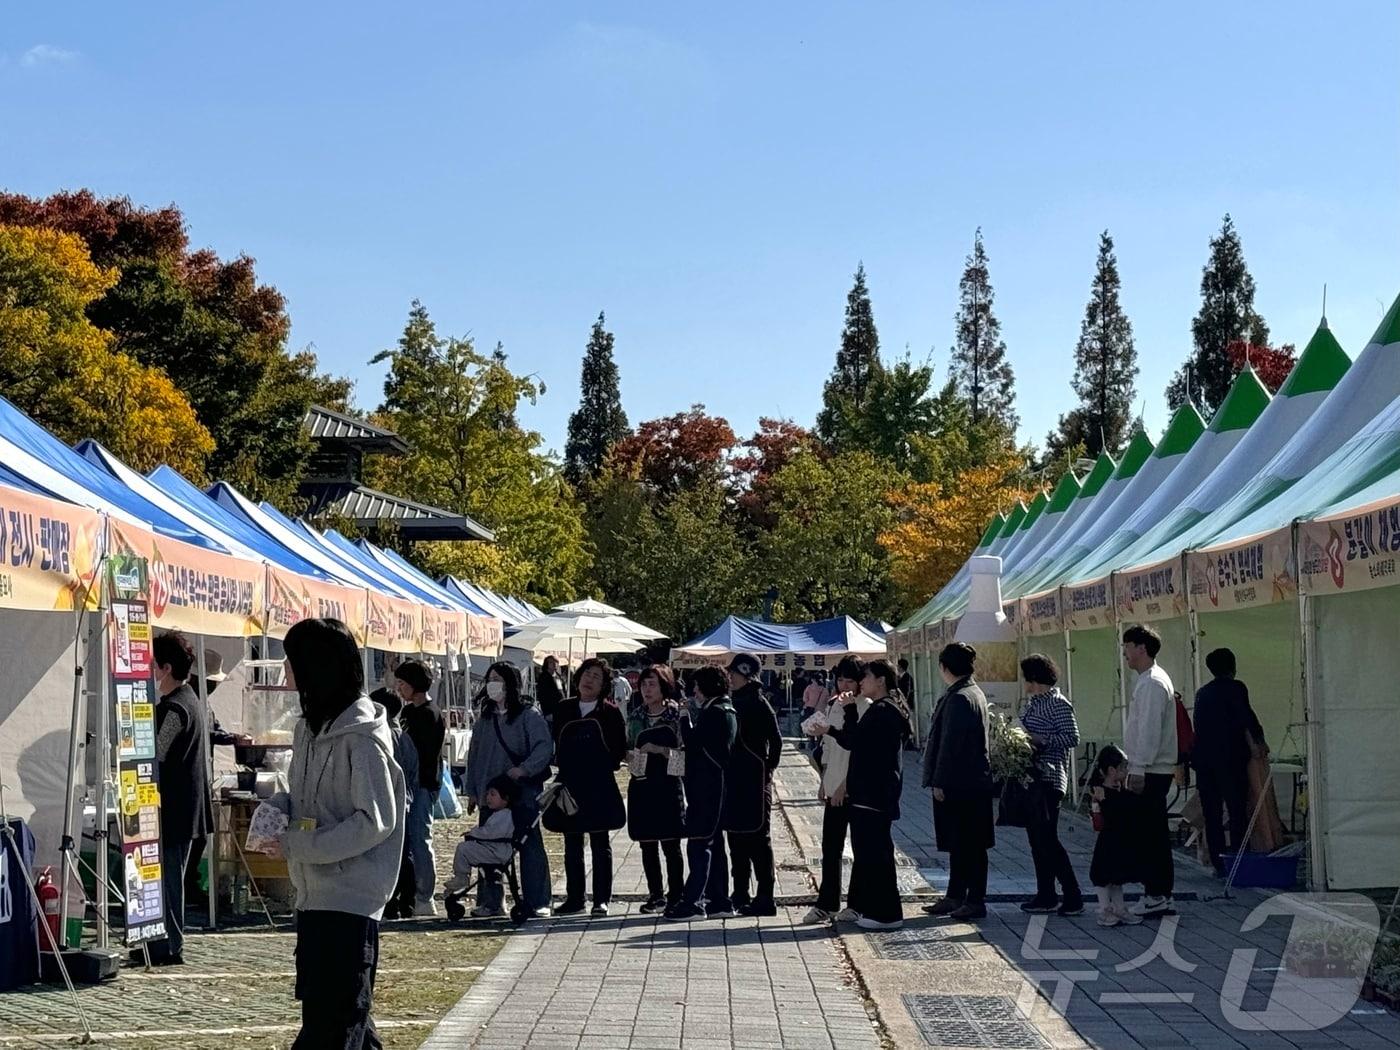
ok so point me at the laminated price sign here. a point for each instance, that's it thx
(138, 773)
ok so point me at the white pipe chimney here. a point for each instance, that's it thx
(984, 620)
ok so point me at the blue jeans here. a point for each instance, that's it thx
(420, 843)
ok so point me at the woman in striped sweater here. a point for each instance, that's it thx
(1049, 719)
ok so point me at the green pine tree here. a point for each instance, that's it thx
(600, 421)
(847, 392)
(411, 362)
(1227, 314)
(1105, 365)
(979, 364)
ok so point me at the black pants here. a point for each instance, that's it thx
(1052, 863)
(709, 873)
(675, 869)
(337, 955)
(874, 886)
(601, 844)
(1155, 848)
(174, 856)
(405, 890)
(835, 821)
(753, 851)
(1224, 791)
(967, 875)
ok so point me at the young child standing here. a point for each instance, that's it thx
(1115, 856)
(488, 843)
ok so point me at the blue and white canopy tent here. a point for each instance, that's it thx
(781, 647)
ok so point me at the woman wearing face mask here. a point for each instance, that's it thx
(590, 742)
(511, 739)
(656, 799)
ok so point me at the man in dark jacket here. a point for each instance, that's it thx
(710, 733)
(1227, 732)
(750, 802)
(186, 809)
(958, 770)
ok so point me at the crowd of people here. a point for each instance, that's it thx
(366, 769)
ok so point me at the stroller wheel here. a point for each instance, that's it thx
(456, 910)
(519, 915)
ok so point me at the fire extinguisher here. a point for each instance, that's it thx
(49, 898)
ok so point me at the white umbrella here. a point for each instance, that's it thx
(589, 606)
(578, 632)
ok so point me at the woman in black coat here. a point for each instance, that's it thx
(656, 798)
(873, 785)
(590, 742)
(957, 768)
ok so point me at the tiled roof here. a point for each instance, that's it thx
(326, 423)
(368, 506)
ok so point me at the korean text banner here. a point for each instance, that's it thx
(1351, 552)
(394, 625)
(292, 598)
(1087, 607)
(193, 589)
(484, 635)
(49, 553)
(1043, 614)
(1154, 592)
(1256, 572)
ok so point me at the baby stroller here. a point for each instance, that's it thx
(526, 819)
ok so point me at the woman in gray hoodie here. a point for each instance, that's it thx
(344, 840)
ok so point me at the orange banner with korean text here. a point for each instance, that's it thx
(1355, 551)
(49, 553)
(1258, 571)
(193, 588)
(485, 635)
(394, 625)
(292, 597)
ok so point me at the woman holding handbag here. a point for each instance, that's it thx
(656, 795)
(1049, 720)
(590, 742)
(511, 739)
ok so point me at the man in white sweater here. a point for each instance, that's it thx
(1149, 739)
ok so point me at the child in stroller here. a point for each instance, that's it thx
(491, 847)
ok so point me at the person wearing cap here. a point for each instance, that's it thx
(749, 803)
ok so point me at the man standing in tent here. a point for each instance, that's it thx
(1149, 738)
(186, 810)
(749, 801)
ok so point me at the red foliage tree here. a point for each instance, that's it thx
(770, 449)
(677, 452)
(1272, 364)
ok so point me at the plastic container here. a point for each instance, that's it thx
(1262, 870)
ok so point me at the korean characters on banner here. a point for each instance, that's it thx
(1258, 572)
(193, 589)
(138, 779)
(1087, 607)
(49, 553)
(393, 624)
(1151, 593)
(769, 661)
(485, 635)
(1043, 614)
(292, 598)
(1351, 553)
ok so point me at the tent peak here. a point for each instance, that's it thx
(1098, 476)
(1246, 401)
(1185, 427)
(1319, 367)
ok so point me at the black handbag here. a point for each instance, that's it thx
(1014, 807)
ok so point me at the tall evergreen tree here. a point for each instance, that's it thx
(857, 364)
(411, 361)
(979, 364)
(600, 421)
(1105, 365)
(1227, 314)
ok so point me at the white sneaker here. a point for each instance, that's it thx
(1127, 918)
(817, 917)
(425, 909)
(1109, 917)
(481, 911)
(848, 915)
(1151, 906)
(873, 924)
(541, 913)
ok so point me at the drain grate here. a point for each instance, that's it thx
(972, 1020)
(917, 945)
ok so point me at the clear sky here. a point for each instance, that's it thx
(710, 174)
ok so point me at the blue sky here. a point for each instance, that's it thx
(710, 174)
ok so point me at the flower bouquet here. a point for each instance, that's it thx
(1009, 752)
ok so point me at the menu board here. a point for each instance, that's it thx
(138, 773)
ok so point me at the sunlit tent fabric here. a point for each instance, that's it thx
(392, 562)
(819, 643)
(511, 611)
(43, 463)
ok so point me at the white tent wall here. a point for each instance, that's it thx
(1268, 648)
(1357, 665)
(36, 708)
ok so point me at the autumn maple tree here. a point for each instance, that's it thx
(677, 452)
(1272, 364)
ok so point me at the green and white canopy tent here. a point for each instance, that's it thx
(1276, 532)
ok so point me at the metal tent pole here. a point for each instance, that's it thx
(76, 736)
(202, 671)
(105, 778)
